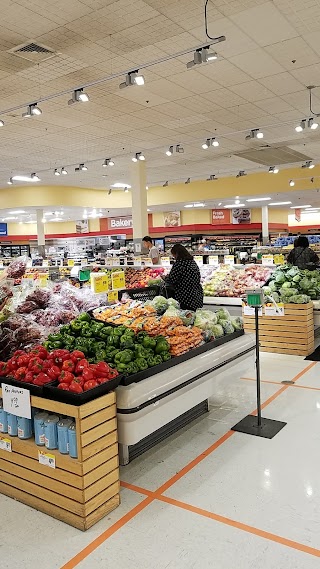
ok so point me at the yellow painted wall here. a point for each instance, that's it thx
(50, 228)
(203, 216)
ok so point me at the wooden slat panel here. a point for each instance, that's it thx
(290, 318)
(97, 418)
(283, 340)
(42, 480)
(101, 498)
(280, 322)
(96, 447)
(101, 471)
(102, 511)
(98, 487)
(98, 432)
(53, 406)
(97, 405)
(31, 464)
(289, 352)
(44, 494)
(45, 507)
(282, 344)
(93, 463)
(291, 333)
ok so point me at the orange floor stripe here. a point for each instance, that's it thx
(157, 495)
(244, 527)
(278, 383)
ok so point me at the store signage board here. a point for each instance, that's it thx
(124, 222)
(71, 262)
(5, 444)
(220, 217)
(165, 261)
(267, 260)
(3, 229)
(241, 216)
(113, 296)
(214, 260)
(16, 401)
(47, 459)
(29, 263)
(271, 310)
(118, 280)
(99, 283)
(229, 259)
(199, 260)
(249, 310)
(297, 214)
(278, 259)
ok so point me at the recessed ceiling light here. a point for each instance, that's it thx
(17, 211)
(120, 185)
(258, 199)
(235, 205)
(280, 203)
(300, 206)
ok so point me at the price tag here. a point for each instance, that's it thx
(28, 276)
(199, 260)
(70, 262)
(165, 261)
(137, 262)
(16, 401)
(113, 296)
(45, 263)
(118, 280)
(214, 260)
(267, 259)
(42, 281)
(278, 259)
(229, 260)
(5, 444)
(271, 310)
(29, 264)
(84, 262)
(99, 283)
(249, 310)
(47, 459)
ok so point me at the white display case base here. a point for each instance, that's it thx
(222, 300)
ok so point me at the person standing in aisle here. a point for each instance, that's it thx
(185, 279)
(302, 255)
(153, 251)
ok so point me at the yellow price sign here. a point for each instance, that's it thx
(42, 281)
(229, 260)
(28, 276)
(99, 283)
(278, 259)
(113, 296)
(118, 280)
(213, 260)
(84, 262)
(70, 262)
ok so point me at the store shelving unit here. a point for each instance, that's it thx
(81, 491)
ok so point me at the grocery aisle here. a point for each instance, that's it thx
(207, 496)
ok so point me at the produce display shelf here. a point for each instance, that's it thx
(79, 492)
(150, 410)
(222, 300)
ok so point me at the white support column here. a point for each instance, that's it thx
(265, 224)
(139, 201)
(40, 232)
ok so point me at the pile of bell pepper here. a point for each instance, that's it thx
(119, 346)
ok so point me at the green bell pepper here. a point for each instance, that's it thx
(100, 355)
(162, 346)
(105, 332)
(76, 326)
(126, 342)
(65, 329)
(84, 317)
(141, 363)
(123, 357)
(165, 356)
(149, 342)
(141, 336)
(121, 367)
(87, 332)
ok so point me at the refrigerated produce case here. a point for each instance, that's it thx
(8, 251)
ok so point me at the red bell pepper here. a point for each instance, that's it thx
(68, 365)
(66, 377)
(90, 384)
(75, 387)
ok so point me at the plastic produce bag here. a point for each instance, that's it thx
(237, 323)
(217, 330)
(227, 326)
(223, 314)
(160, 303)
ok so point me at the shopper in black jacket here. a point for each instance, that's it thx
(302, 255)
(185, 278)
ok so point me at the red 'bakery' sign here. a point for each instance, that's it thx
(220, 216)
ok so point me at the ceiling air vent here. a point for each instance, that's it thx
(34, 52)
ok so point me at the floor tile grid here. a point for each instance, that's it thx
(158, 495)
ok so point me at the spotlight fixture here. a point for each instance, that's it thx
(291, 183)
(64, 172)
(78, 96)
(132, 78)
(312, 124)
(109, 192)
(138, 156)
(166, 184)
(206, 144)
(126, 190)
(108, 162)
(202, 55)
(10, 181)
(214, 142)
(300, 127)
(56, 172)
(241, 173)
(308, 164)
(211, 178)
(81, 168)
(169, 152)
(187, 181)
(179, 149)
(1, 123)
(32, 110)
(254, 133)
(273, 170)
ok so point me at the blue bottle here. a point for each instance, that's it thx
(72, 441)
(3, 419)
(24, 428)
(63, 427)
(12, 425)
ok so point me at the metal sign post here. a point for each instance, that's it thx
(256, 424)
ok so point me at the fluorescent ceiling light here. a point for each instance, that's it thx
(235, 205)
(280, 203)
(258, 200)
(32, 178)
(311, 210)
(200, 204)
(9, 218)
(120, 185)
(17, 211)
(57, 219)
(300, 206)
(48, 213)
(189, 205)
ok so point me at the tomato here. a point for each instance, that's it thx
(53, 371)
(87, 374)
(64, 386)
(75, 387)
(81, 365)
(23, 360)
(76, 356)
(66, 377)
(40, 352)
(90, 384)
(68, 365)
(20, 373)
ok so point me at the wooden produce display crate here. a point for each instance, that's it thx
(81, 491)
(292, 333)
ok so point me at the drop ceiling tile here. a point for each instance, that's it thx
(251, 91)
(293, 54)
(142, 97)
(313, 40)
(224, 98)
(282, 83)
(274, 105)
(194, 82)
(224, 72)
(264, 24)
(257, 64)
(236, 40)
(307, 75)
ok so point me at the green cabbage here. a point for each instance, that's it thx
(187, 316)
(280, 277)
(173, 302)
(227, 326)
(300, 299)
(160, 304)
(217, 330)
(237, 323)
(223, 314)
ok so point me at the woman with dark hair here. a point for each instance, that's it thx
(302, 255)
(185, 279)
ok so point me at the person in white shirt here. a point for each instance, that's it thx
(153, 251)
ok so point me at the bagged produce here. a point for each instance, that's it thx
(187, 316)
(205, 319)
(173, 302)
(172, 311)
(300, 299)
(237, 323)
(217, 330)
(223, 314)
(160, 303)
(227, 326)
(17, 268)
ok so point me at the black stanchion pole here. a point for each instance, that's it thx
(256, 318)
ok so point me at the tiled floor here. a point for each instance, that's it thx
(207, 497)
